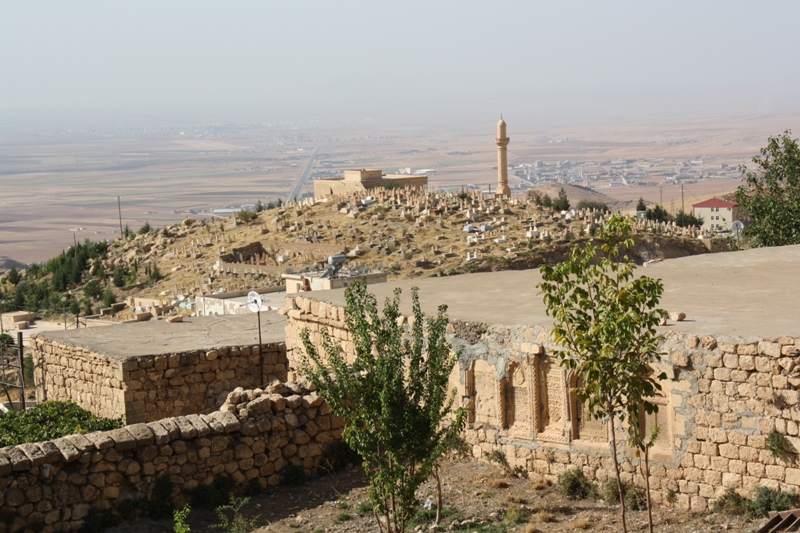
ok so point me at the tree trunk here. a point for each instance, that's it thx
(439, 495)
(647, 486)
(616, 471)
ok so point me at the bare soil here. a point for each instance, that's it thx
(477, 497)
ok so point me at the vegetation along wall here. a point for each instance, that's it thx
(728, 409)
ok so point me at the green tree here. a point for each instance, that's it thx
(562, 202)
(108, 298)
(546, 201)
(245, 217)
(93, 290)
(145, 229)
(119, 277)
(13, 276)
(593, 204)
(684, 220)
(259, 206)
(393, 395)
(640, 205)
(606, 319)
(770, 195)
(658, 214)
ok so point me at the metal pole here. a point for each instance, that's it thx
(21, 370)
(119, 210)
(260, 348)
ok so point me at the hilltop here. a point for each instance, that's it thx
(406, 233)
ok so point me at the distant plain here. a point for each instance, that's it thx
(61, 184)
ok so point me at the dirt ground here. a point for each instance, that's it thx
(477, 498)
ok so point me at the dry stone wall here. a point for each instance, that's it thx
(721, 399)
(147, 388)
(53, 486)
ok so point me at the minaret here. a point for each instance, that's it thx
(502, 159)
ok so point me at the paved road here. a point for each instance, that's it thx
(302, 181)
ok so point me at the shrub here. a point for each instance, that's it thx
(246, 217)
(767, 499)
(180, 516)
(108, 298)
(231, 519)
(145, 229)
(776, 443)
(50, 420)
(514, 514)
(573, 484)
(214, 494)
(293, 475)
(633, 494)
(337, 455)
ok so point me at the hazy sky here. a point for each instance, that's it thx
(302, 59)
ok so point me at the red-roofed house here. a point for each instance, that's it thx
(717, 214)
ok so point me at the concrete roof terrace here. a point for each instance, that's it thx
(752, 293)
(159, 337)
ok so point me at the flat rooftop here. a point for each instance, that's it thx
(159, 337)
(752, 293)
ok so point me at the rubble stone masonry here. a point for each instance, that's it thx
(721, 398)
(147, 388)
(256, 434)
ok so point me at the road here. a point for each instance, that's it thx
(303, 177)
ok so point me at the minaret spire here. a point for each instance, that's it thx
(502, 141)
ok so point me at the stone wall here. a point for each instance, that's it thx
(54, 486)
(721, 398)
(147, 388)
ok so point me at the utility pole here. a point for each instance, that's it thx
(683, 208)
(119, 210)
(661, 197)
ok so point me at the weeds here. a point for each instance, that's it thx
(342, 517)
(583, 523)
(514, 514)
(544, 516)
(180, 516)
(364, 508)
(499, 484)
(231, 519)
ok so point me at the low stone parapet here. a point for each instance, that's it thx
(53, 486)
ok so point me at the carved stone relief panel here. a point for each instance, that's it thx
(520, 401)
(551, 401)
(487, 395)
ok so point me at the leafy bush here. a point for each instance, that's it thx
(180, 516)
(231, 519)
(573, 484)
(50, 420)
(215, 494)
(337, 455)
(293, 475)
(145, 229)
(768, 499)
(246, 217)
(633, 494)
(776, 443)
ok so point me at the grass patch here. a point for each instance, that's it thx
(544, 516)
(364, 508)
(583, 523)
(342, 517)
(499, 484)
(342, 505)
(514, 514)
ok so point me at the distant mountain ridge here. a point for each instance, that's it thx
(6, 264)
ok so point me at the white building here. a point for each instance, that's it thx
(717, 214)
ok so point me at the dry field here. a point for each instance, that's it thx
(52, 182)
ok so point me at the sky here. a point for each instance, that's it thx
(410, 60)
